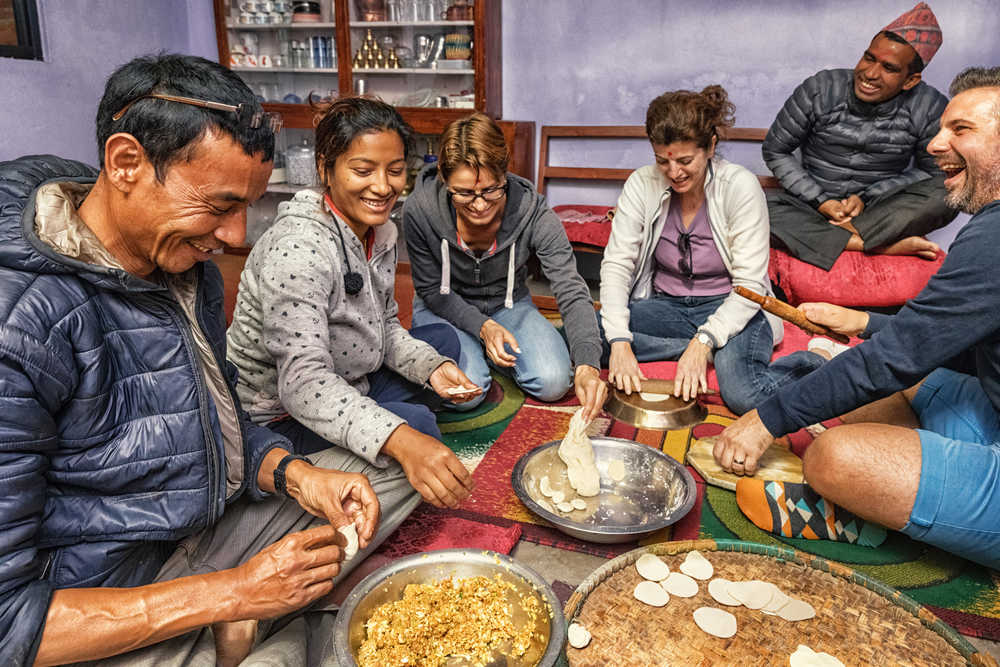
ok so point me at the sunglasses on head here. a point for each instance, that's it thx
(246, 115)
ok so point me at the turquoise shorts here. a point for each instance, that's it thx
(958, 501)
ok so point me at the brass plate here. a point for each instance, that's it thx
(660, 415)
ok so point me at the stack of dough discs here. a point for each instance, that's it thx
(718, 588)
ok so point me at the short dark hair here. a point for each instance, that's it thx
(684, 115)
(344, 119)
(975, 77)
(168, 130)
(917, 63)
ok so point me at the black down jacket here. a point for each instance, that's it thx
(110, 446)
(849, 146)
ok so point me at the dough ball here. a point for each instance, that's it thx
(651, 593)
(680, 584)
(718, 589)
(697, 566)
(578, 635)
(652, 568)
(716, 622)
(616, 470)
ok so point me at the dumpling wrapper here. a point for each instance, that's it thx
(680, 584)
(546, 505)
(797, 610)
(777, 602)
(577, 453)
(565, 507)
(545, 486)
(653, 397)
(557, 497)
(578, 635)
(716, 622)
(806, 657)
(652, 568)
(752, 594)
(578, 504)
(651, 593)
(697, 566)
(616, 470)
(718, 589)
(350, 533)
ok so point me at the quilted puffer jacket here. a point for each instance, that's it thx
(110, 446)
(849, 146)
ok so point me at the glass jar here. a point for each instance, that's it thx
(300, 164)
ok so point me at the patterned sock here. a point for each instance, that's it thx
(795, 510)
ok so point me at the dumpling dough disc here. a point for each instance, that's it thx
(579, 504)
(578, 635)
(616, 470)
(350, 533)
(752, 594)
(717, 622)
(652, 567)
(718, 589)
(653, 397)
(681, 585)
(797, 610)
(806, 657)
(697, 566)
(651, 593)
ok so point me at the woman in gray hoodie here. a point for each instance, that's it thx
(322, 356)
(470, 229)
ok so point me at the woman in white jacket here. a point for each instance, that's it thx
(687, 230)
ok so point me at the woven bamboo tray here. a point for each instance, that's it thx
(858, 620)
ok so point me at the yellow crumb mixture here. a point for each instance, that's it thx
(467, 618)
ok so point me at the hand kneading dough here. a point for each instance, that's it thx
(350, 533)
(651, 593)
(806, 657)
(697, 566)
(652, 568)
(578, 635)
(680, 584)
(718, 589)
(578, 454)
(715, 622)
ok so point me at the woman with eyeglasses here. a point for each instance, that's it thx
(471, 227)
(686, 231)
(322, 356)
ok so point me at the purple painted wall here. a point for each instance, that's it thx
(49, 106)
(599, 62)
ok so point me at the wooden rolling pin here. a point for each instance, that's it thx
(791, 314)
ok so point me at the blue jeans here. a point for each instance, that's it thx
(958, 498)
(663, 325)
(543, 368)
(391, 391)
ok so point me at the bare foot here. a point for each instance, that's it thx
(911, 245)
(233, 642)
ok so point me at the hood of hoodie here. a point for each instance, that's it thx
(430, 199)
(20, 247)
(309, 204)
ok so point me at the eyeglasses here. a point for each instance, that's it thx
(496, 193)
(245, 114)
(684, 263)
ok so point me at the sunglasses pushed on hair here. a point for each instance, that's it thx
(246, 115)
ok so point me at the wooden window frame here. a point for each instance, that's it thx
(29, 38)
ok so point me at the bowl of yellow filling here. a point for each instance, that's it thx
(451, 608)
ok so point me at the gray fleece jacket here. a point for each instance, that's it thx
(304, 347)
(466, 290)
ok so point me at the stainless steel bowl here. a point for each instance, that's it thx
(655, 492)
(387, 583)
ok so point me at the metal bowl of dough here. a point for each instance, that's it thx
(654, 407)
(387, 583)
(654, 492)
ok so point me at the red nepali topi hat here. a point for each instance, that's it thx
(919, 27)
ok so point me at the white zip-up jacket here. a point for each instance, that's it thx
(737, 212)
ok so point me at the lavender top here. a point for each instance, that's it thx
(709, 276)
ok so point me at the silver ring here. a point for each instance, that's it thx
(739, 461)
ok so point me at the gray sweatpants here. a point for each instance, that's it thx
(304, 637)
(914, 210)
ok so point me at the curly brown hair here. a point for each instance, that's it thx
(475, 141)
(684, 115)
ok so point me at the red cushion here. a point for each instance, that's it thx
(856, 278)
(585, 223)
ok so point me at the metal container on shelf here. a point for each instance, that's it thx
(300, 163)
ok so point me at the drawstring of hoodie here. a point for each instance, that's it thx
(445, 288)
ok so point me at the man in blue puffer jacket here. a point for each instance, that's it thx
(865, 180)
(140, 508)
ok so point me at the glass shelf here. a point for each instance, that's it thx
(278, 26)
(410, 70)
(410, 24)
(288, 70)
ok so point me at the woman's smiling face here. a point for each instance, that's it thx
(683, 164)
(367, 178)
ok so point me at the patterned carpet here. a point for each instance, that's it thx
(492, 438)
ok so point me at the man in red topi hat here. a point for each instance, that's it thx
(865, 180)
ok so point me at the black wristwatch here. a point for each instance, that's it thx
(280, 486)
